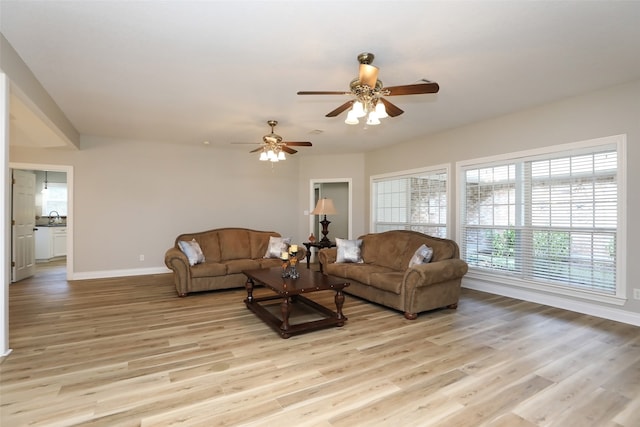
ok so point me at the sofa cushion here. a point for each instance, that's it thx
(443, 249)
(192, 250)
(383, 278)
(422, 255)
(208, 269)
(395, 248)
(210, 245)
(259, 241)
(348, 250)
(269, 262)
(392, 247)
(276, 246)
(370, 248)
(234, 244)
(389, 281)
(353, 271)
(239, 265)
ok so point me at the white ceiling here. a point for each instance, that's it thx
(192, 71)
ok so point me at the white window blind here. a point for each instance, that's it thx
(411, 201)
(550, 219)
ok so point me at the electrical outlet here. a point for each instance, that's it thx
(636, 293)
(141, 257)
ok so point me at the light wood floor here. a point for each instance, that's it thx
(129, 352)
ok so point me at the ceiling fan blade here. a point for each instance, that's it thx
(340, 109)
(297, 143)
(288, 150)
(392, 110)
(414, 89)
(323, 92)
(368, 75)
(259, 149)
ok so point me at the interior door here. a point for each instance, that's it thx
(24, 222)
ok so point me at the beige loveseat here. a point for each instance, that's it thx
(227, 252)
(384, 276)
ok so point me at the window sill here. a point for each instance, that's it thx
(505, 281)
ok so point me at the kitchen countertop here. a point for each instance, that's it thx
(52, 225)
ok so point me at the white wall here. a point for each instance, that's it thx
(5, 228)
(608, 112)
(133, 198)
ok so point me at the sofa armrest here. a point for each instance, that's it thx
(435, 272)
(327, 256)
(177, 261)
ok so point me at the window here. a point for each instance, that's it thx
(55, 199)
(414, 200)
(547, 218)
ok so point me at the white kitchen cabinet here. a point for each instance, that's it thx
(43, 243)
(51, 242)
(59, 241)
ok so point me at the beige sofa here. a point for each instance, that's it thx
(384, 276)
(227, 252)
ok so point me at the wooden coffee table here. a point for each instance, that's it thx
(290, 291)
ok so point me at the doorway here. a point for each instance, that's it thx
(340, 191)
(68, 172)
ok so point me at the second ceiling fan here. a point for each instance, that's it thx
(369, 94)
(273, 147)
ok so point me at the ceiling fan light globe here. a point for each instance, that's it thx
(281, 156)
(351, 119)
(358, 110)
(381, 112)
(372, 120)
(264, 157)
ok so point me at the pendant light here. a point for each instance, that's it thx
(45, 189)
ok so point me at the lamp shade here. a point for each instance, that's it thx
(324, 207)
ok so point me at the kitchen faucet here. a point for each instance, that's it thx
(51, 220)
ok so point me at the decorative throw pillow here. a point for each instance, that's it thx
(422, 255)
(348, 250)
(277, 245)
(192, 250)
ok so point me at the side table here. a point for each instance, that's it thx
(319, 245)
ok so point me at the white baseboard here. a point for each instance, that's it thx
(84, 275)
(557, 301)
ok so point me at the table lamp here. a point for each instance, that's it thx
(324, 207)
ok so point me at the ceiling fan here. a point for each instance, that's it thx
(273, 147)
(368, 92)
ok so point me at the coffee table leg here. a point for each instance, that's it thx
(339, 302)
(285, 307)
(308, 246)
(249, 286)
